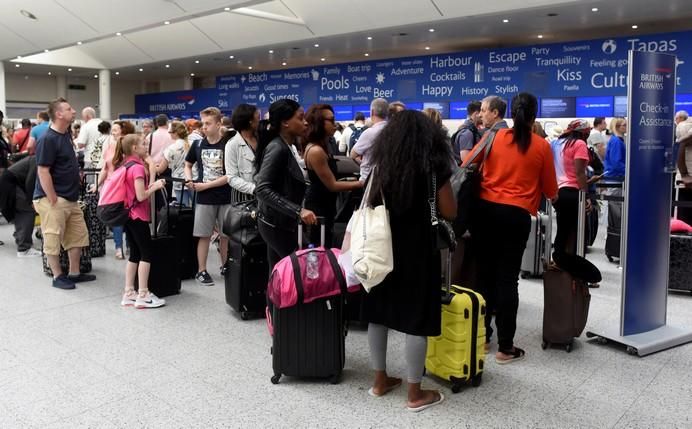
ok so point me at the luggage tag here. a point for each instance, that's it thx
(329, 305)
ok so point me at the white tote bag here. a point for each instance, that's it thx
(371, 242)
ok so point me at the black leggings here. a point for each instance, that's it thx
(499, 235)
(280, 242)
(567, 208)
(139, 238)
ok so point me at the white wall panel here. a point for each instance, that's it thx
(38, 89)
(171, 41)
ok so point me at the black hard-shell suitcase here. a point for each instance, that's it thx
(310, 339)
(612, 245)
(680, 271)
(84, 258)
(165, 254)
(246, 278)
(179, 222)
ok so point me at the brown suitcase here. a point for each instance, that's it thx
(565, 308)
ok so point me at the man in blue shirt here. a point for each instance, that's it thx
(38, 131)
(56, 194)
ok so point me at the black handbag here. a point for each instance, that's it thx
(466, 185)
(443, 233)
(241, 222)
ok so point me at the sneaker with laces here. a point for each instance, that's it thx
(204, 279)
(29, 253)
(149, 301)
(129, 298)
(63, 282)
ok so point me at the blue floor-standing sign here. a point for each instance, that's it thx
(646, 209)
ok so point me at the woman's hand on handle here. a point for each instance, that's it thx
(308, 217)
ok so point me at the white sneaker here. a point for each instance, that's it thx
(129, 299)
(29, 253)
(149, 301)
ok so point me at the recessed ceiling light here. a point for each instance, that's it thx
(117, 73)
(50, 73)
(594, 9)
(96, 76)
(168, 66)
(166, 22)
(19, 57)
(79, 43)
(540, 36)
(432, 30)
(271, 51)
(283, 64)
(231, 57)
(427, 48)
(317, 45)
(141, 69)
(196, 61)
(505, 21)
(227, 9)
(46, 50)
(323, 59)
(367, 55)
(17, 65)
(118, 34)
(192, 74)
(249, 68)
(28, 14)
(369, 37)
(69, 69)
(634, 27)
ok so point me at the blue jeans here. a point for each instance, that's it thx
(118, 237)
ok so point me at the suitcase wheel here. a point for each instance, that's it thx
(476, 381)
(524, 275)
(335, 379)
(568, 348)
(456, 387)
(545, 344)
(244, 315)
(275, 378)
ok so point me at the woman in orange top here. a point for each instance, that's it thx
(517, 171)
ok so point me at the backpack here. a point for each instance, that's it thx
(114, 206)
(355, 135)
(474, 130)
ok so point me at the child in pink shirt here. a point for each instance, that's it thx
(131, 153)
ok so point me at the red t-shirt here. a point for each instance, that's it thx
(140, 209)
(21, 138)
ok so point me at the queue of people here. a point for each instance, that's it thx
(400, 152)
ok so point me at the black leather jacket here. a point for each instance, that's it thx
(280, 186)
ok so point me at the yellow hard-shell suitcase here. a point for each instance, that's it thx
(458, 354)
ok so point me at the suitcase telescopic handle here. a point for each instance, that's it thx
(581, 223)
(447, 297)
(321, 222)
(548, 235)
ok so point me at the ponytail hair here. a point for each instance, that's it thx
(124, 148)
(524, 111)
(279, 111)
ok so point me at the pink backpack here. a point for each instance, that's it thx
(290, 285)
(114, 204)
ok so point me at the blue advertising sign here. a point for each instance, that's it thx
(363, 108)
(683, 102)
(558, 107)
(620, 109)
(646, 212)
(592, 107)
(591, 68)
(458, 110)
(443, 108)
(177, 103)
(343, 113)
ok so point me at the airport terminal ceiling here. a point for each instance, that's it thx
(168, 39)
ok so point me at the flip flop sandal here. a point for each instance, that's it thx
(372, 393)
(517, 354)
(426, 406)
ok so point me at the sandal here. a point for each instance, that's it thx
(428, 405)
(517, 354)
(372, 393)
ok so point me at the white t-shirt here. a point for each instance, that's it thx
(175, 155)
(88, 135)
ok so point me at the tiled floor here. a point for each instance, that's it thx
(73, 359)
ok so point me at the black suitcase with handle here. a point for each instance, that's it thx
(246, 278)
(310, 339)
(680, 271)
